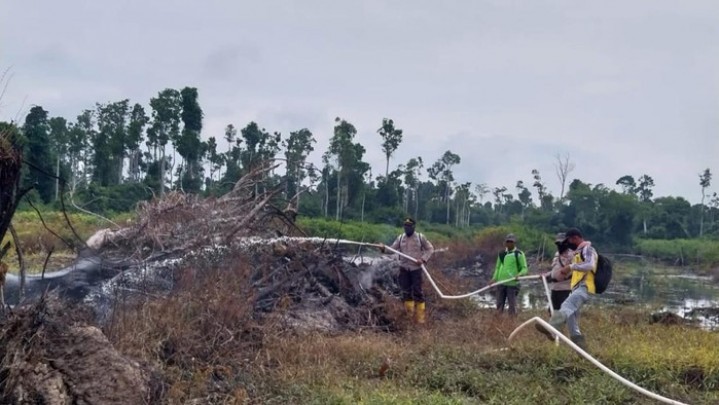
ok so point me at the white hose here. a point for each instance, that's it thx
(558, 335)
(594, 361)
(456, 297)
(549, 295)
(551, 306)
(252, 241)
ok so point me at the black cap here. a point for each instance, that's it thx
(409, 221)
(573, 232)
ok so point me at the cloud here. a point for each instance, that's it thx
(625, 88)
(230, 62)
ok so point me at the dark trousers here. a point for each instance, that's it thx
(558, 297)
(508, 294)
(411, 284)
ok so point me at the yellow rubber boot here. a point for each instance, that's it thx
(420, 312)
(409, 306)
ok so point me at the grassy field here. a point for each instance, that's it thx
(456, 361)
(208, 348)
(457, 358)
(38, 239)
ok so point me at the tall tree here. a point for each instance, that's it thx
(367, 179)
(524, 196)
(110, 142)
(230, 136)
(135, 137)
(482, 190)
(189, 145)
(464, 199)
(254, 138)
(343, 149)
(441, 170)
(705, 180)
(412, 172)
(498, 193)
(714, 207)
(644, 189)
(59, 138)
(391, 138)
(297, 148)
(563, 166)
(326, 168)
(166, 109)
(545, 199)
(231, 158)
(260, 148)
(214, 158)
(80, 148)
(38, 153)
(629, 186)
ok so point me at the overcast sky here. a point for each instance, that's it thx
(624, 87)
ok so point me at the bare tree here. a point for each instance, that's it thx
(705, 180)
(563, 167)
(481, 190)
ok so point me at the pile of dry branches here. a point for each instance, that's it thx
(306, 286)
(185, 222)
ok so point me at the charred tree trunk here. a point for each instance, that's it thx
(10, 165)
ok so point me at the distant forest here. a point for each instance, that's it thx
(117, 154)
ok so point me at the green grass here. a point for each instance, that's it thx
(454, 362)
(36, 240)
(687, 251)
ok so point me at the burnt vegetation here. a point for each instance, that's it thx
(178, 304)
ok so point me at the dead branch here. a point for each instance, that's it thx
(20, 260)
(251, 215)
(47, 258)
(5, 249)
(68, 244)
(72, 202)
(64, 214)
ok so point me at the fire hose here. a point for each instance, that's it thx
(558, 335)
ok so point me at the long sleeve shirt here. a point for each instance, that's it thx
(415, 245)
(563, 282)
(510, 263)
(584, 265)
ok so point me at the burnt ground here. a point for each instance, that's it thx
(191, 280)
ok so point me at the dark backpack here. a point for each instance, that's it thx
(516, 258)
(603, 275)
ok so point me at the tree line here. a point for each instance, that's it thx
(118, 153)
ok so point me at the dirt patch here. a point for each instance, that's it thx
(666, 318)
(50, 356)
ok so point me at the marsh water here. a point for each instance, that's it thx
(642, 284)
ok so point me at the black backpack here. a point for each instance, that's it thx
(603, 275)
(516, 258)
